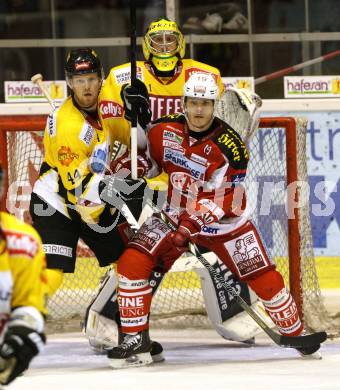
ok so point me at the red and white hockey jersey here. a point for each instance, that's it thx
(208, 170)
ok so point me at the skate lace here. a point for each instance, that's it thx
(130, 341)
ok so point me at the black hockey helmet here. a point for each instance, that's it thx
(82, 61)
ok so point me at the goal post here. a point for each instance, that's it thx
(277, 157)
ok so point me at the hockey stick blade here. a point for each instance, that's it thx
(281, 340)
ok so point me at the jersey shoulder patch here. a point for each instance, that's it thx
(122, 74)
(178, 117)
(231, 145)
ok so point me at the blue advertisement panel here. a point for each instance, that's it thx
(323, 164)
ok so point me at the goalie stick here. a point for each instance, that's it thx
(281, 340)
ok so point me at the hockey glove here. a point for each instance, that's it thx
(124, 162)
(116, 190)
(192, 224)
(20, 346)
(136, 96)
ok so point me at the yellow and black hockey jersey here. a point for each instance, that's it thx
(22, 267)
(165, 93)
(77, 152)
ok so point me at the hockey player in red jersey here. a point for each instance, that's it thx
(164, 72)
(206, 161)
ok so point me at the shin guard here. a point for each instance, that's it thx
(134, 304)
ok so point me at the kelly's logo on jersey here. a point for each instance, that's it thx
(21, 245)
(66, 156)
(110, 109)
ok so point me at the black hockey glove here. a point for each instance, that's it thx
(19, 347)
(136, 95)
(116, 191)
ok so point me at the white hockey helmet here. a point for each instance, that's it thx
(201, 85)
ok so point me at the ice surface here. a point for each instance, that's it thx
(195, 359)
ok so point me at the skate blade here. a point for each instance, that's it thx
(158, 358)
(139, 360)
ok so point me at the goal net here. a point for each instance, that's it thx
(277, 193)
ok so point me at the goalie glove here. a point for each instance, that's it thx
(240, 108)
(136, 95)
(21, 343)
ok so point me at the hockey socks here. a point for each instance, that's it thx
(278, 302)
(134, 304)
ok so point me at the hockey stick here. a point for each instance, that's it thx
(6, 369)
(133, 48)
(38, 79)
(281, 340)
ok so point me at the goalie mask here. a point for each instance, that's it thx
(82, 61)
(200, 86)
(163, 44)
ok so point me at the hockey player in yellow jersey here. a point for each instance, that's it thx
(160, 79)
(23, 295)
(164, 73)
(65, 203)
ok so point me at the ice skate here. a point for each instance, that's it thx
(134, 351)
(156, 348)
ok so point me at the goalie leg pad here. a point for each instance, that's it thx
(228, 319)
(102, 315)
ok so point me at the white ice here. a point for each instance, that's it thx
(195, 359)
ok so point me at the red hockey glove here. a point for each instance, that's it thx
(124, 162)
(205, 212)
(189, 225)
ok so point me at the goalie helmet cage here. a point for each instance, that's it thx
(277, 155)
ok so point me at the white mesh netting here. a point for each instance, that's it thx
(179, 300)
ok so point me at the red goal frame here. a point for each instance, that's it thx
(10, 123)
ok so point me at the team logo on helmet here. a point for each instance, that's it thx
(82, 61)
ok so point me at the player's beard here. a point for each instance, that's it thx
(86, 103)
